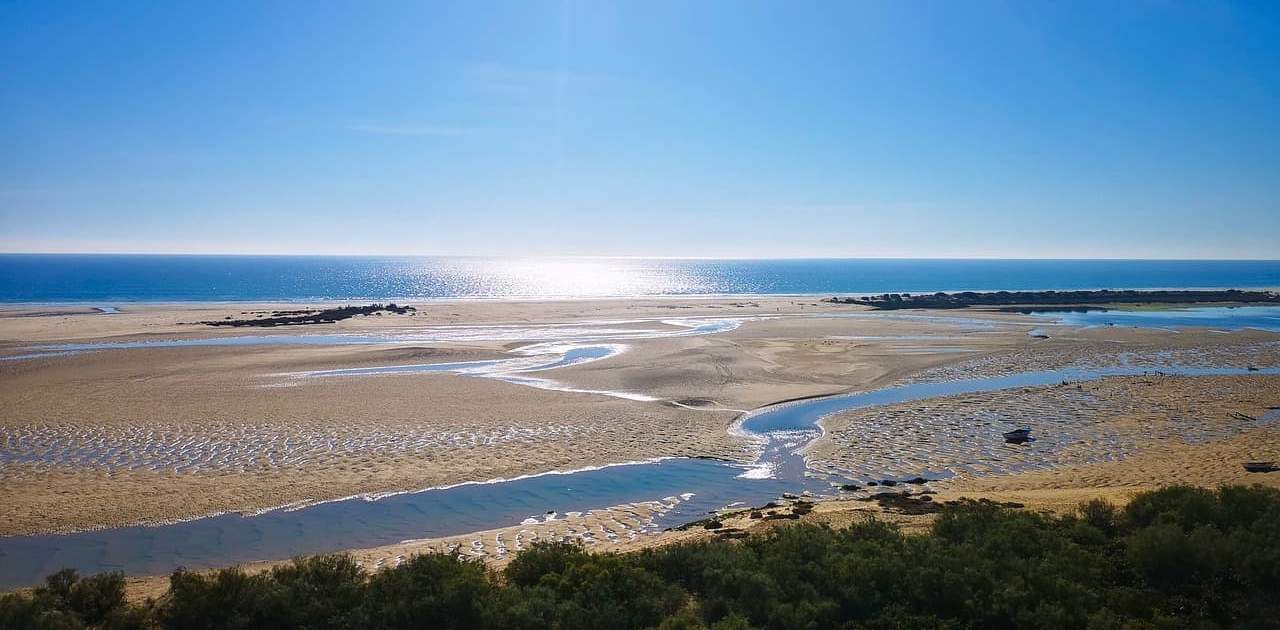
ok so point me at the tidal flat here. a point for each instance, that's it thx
(140, 417)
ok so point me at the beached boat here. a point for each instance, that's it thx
(1017, 435)
(1260, 466)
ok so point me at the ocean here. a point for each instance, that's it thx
(102, 278)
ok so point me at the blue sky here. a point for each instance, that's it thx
(916, 129)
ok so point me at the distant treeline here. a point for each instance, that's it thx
(1176, 558)
(316, 316)
(1056, 298)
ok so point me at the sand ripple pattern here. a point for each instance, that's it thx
(1073, 423)
(1090, 356)
(244, 447)
(618, 528)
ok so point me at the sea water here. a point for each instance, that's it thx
(99, 279)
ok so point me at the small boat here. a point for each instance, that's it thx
(1260, 466)
(1017, 435)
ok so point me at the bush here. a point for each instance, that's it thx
(427, 591)
(319, 592)
(542, 558)
(229, 599)
(1175, 558)
(68, 601)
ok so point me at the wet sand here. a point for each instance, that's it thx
(1234, 421)
(1108, 438)
(158, 434)
(181, 446)
(1072, 424)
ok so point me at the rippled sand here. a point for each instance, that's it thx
(617, 528)
(156, 434)
(316, 442)
(1203, 426)
(1118, 347)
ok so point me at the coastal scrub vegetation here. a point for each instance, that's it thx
(1179, 557)
(964, 299)
(271, 319)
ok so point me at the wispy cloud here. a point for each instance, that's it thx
(411, 130)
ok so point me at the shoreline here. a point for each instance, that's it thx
(410, 299)
(366, 496)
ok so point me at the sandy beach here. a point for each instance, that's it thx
(192, 430)
(207, 429)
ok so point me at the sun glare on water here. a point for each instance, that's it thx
(561, 277)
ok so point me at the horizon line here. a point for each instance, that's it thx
(626, 257)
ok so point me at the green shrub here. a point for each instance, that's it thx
(1175, 558)
(68, 601)
(427, 591)
(227, 599)
(319, 592)
(542, 558)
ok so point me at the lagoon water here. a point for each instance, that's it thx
(1212, 317)
(159, 278)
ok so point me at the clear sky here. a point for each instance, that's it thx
(739, 129)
